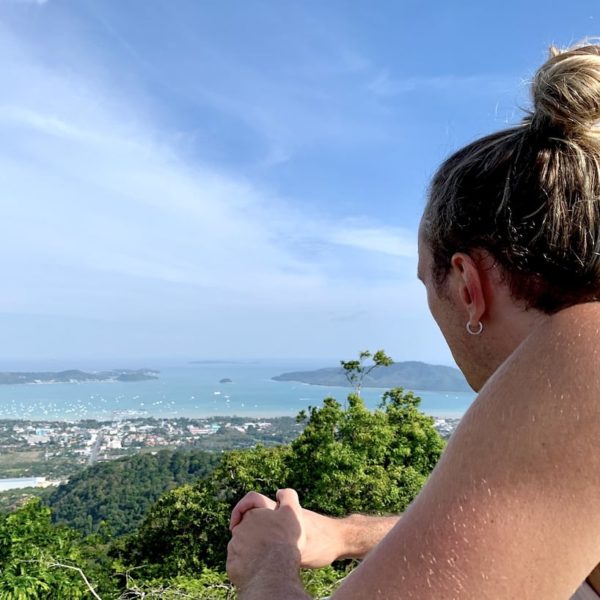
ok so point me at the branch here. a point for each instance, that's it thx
(158, 591)
(81, 573)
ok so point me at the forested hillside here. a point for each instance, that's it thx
(119, 493)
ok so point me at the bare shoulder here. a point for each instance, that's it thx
(511, 508)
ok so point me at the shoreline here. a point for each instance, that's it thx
(191, 417)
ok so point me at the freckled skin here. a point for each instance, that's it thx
(510, 511)
(522, 462)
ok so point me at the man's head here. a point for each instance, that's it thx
(530, 195)
(511, 230)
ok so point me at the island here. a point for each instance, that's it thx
(225, 380)
(411, 375)
(77, 376)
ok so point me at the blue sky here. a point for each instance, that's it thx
(193, 179)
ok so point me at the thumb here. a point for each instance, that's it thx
(288, 497)
(288, 502)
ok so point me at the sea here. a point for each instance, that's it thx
(194, 390)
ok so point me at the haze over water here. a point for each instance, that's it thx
(193, 390)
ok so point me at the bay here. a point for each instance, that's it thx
(194, 390)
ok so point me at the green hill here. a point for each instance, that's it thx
(410, 375)
(120, 492)
(76, 376)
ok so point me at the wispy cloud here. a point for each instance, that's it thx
(105, 219)
(94, 189)
(386, 240)
(384, 84)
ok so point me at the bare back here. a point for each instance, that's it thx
(511, 509)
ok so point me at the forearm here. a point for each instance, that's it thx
(359, 534)
(278, 578)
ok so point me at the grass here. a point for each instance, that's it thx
(33, 463)
(10, 459)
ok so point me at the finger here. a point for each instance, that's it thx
(248, 502)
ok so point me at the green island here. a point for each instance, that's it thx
(411, 375)
(76, 376)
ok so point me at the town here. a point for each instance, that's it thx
(42, 453)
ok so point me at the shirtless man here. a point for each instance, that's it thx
(509, 253)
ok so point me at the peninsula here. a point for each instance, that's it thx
(410, 375)
(76, 376)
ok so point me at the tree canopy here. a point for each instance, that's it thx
(346, 460)
(117, 494)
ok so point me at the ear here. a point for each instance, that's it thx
(470, 286)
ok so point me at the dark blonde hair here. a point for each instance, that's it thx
(530, 195)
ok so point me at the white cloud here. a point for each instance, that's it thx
(92, 187)
(385, 240)
(103, 219)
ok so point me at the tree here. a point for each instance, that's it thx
(39, 561)
(346, 460)
(187, 529)
(118, 494)
(356, 460)
(356, 371)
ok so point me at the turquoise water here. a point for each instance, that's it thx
(194, 391)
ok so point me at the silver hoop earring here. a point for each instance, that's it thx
(475, 331)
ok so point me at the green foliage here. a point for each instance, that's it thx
(320, 583)
(210, 584)
(118, 494)
(346, 460)
(206, 585)
(356, 370)
(187, 529)
(11, 500)
(355, 460)
(41, 562)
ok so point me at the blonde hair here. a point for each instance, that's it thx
(530, 195)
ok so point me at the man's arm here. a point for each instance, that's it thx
(328, 538)
(278, 578)
(356, 535)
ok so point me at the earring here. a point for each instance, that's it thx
(475, 331)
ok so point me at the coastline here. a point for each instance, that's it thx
(190, 391)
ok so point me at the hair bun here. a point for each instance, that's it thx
(566, 91)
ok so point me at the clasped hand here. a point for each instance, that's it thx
(264, 532)
(263, 529)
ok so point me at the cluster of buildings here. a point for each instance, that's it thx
(56, 449)
(38, 454)
(445, 425)
(96, 440)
